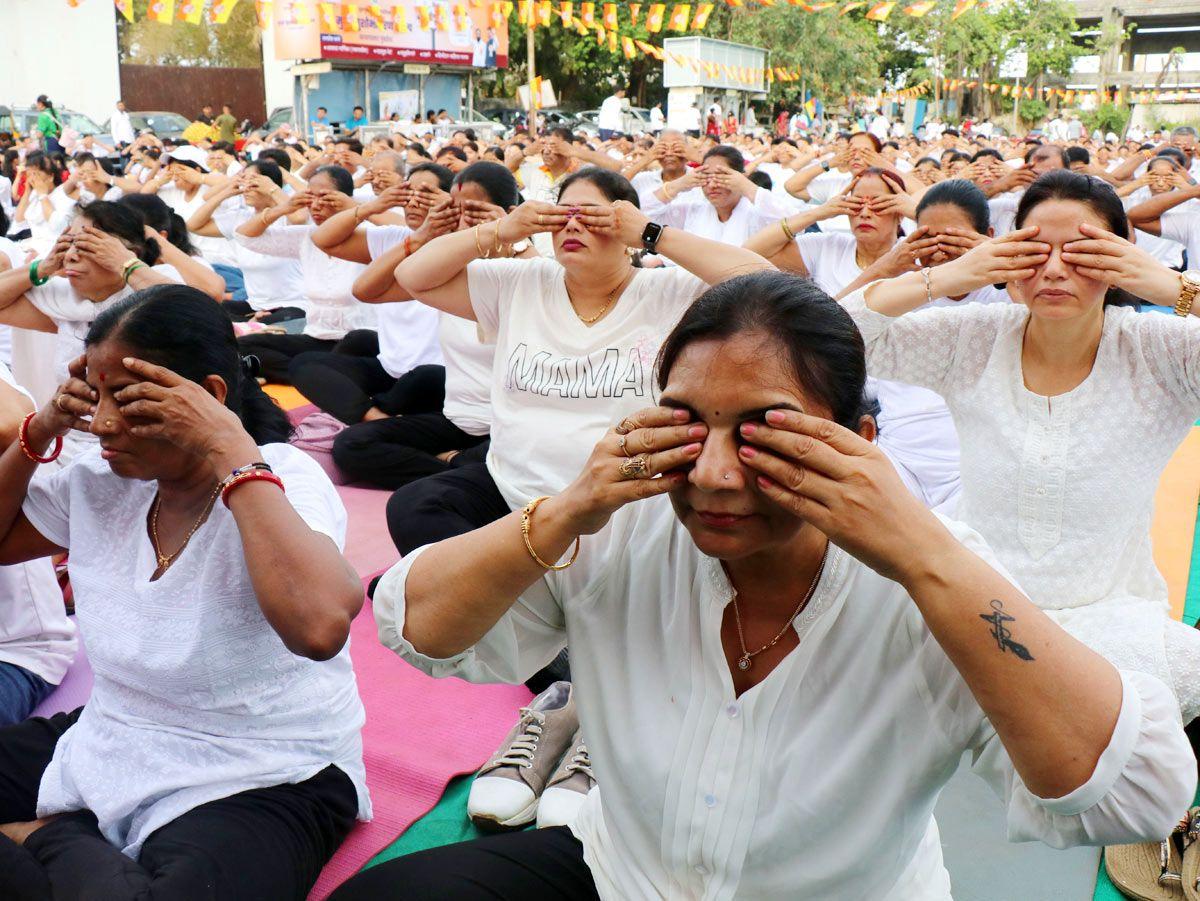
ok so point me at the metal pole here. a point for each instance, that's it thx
(470, 95)
(367, 93)
(532, 63)
(1017, 108)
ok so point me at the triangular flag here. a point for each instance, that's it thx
(190, 11)
(917, 10)
(221, 10)
(960, 7)
(610, 16)
(628, 48)
(680, 15)
(881, 11)
(161, 11)
(635, 10)
(125, 8)
(654, 17)
(703, 11)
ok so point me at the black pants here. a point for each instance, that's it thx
(392, 452)
(518, 866)
(241, 311)
(275, 352)
(266, 843)
(444, 505)
(349, 380)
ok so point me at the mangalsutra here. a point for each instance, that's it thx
(165, 560)
(746, 660)
(612, 297)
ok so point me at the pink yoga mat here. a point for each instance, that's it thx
(420, 733)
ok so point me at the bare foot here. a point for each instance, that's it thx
(374, 413)
(447, 456)
(18, 832)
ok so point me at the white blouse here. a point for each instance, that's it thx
(332, 308)
(844, 746)
(692, 212)
(195, 696)
(1062, 487)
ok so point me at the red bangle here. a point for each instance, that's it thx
(23, 438)
(408, 245)
(254, 475)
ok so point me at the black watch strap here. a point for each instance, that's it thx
(650, 235)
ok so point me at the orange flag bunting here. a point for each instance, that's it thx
(881, 11)
(854, 4)
(423, 21)
(263, 8)
(125, 8)
(544, 11)
(566, 12)
(610, 16)
(524, 13)
(161, 11)
(601, 37)
(703, 11)
(917, 10)
(328, 18)
(349, 17)
(587, 14)
(190, 11)
(440, 20)
(654, 17)
(960, 7)
(627, 47)
(734, 3)
(497, 15)
(221, 10)
(460, 17)
(680, 16)
(612, 42)
(400, 20)
(74, 4)
(635, 10)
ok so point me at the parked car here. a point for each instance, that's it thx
(164, 124)
(22, 120)
(636, 119)
(281, 115)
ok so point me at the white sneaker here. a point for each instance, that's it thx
(568, 788)
(505, 793)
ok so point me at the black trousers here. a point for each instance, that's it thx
(400, 449)
(266, 843)
(275, 352)
(517, 866)
(241, 311)
(349, 380)
(444, 505)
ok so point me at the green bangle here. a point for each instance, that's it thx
(130, 268)
(33, 275)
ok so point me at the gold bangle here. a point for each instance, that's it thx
(478, 246)
(787, 229)
(526, 519)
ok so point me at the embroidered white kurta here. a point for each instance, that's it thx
(1062, 488)
(842, 749)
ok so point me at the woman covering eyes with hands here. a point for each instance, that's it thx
(575, 338)
(1049, 394)
(219, 754)
(751, 596)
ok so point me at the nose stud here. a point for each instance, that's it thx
(725, 477)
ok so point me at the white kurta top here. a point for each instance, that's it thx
(195, 697)
(843, 747)
(1062, 488)
(332, 308)
(692, 212)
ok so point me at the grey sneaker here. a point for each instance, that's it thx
(506, 791)
(568, 788)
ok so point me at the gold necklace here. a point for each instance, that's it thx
(165, 560)
(612, 297)
(744, 662)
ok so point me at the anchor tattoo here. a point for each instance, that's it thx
(1002, 634)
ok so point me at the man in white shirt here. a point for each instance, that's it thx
(121, 126)
(879, 126)
(657, 120)
(1056, 129)
(611, 118)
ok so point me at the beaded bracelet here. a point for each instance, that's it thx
(526, 519)
(23, 439)
(254, 475)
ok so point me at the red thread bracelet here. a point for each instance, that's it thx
(23, 438)
(254, 475)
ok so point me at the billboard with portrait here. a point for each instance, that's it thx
(447, 32)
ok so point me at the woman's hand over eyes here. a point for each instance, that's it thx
(1107, 258)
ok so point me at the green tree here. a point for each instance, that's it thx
(237, 43)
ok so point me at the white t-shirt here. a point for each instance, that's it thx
(35, 631)
(408, 332)
(1183, 225)
(469, 364)
(195, 696)
(831, 259)
(218, 251)
(270, 282)
(558, 384)
(610, 114)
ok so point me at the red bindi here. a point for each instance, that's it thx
(103, 376)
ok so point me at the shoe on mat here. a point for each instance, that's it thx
(1191, 856)
(568, 788)
(505, 793)
(1153, 871)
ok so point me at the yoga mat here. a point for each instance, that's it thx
(420, 732)
(446, 824)
(286, 396)
(369, 547)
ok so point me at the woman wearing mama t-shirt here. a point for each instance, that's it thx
(576, 338)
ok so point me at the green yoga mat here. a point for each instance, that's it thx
(1105, 890)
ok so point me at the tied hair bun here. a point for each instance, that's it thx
(251, 366)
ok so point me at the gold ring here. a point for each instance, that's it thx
(621, 444)
(635, 468)
(58, 399)
(623, 427)
(108, 423)
(541, 219)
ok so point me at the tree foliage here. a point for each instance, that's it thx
(237, 43)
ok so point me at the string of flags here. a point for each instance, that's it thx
(1067, 96)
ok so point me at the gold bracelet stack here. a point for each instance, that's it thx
(787, 229)
(483, 255)
(526, 519)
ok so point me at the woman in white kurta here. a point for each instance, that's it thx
(771, 680)
(1067, 408)
(219, 754)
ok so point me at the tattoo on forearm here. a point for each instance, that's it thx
(1001, 633)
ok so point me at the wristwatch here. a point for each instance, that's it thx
(650, 236)
(520, 247)
(1189, 287)
(825, 165)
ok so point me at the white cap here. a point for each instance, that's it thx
(190, 154)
